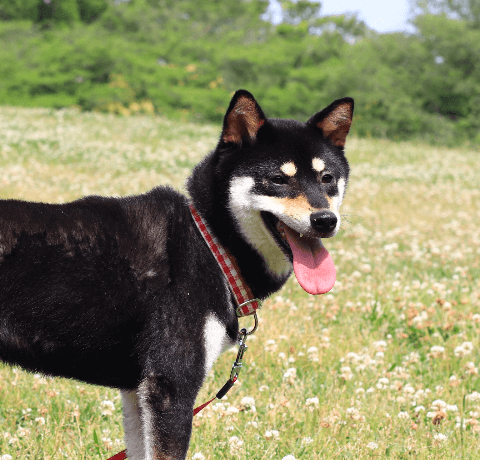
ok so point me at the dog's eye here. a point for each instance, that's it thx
(327, 178)
(279, 180)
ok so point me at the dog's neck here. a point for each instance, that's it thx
(213, 207)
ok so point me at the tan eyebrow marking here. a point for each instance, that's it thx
(289, 169)
(318, 164)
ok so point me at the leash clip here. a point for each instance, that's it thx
(237, 365)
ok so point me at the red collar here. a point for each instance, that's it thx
(246, 303)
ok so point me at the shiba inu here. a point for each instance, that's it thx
(125, 293)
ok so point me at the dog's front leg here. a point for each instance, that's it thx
(164, 414)
(133, 426)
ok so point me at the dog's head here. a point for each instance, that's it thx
(283, 182)
(292, 176)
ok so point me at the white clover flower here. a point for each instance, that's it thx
(235, 444)
(312, 403)
(380, 345)
(463, 350)
(40, 420)
(440, 437)
(248, 403)
(451, 408)
(272, 434)
(312, 350)
(403, 415)
(436, 351)
(471, 368)
(474, 396)
(289, 457)
(6, 457)
(306, 441)
(198, 456)
(290, 375)
(271, 345)
(108, 404)
(108, 407)
(419, 408)
(218, 407)
(439, 405)
(346, 373)
(232, 410)
(409, 389)
(354, 413)
(372, 445)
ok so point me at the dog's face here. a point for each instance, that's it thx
(287, 182)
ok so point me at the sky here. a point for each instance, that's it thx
(379, 15)
(382, 16)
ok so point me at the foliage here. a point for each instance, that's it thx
(186, 60)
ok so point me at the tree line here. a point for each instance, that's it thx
(183, 59)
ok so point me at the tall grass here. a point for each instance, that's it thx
(384, 366)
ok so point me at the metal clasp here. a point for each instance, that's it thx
(237, 365)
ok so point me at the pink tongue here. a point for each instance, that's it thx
(312, 263)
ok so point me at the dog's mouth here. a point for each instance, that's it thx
(313, 265)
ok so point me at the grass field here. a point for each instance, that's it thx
(384, 366)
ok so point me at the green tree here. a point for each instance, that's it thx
(19, 9)
(465, 10)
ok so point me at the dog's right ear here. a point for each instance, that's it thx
(335, 120)
(243, 119)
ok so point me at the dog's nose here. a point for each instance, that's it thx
(323, 221)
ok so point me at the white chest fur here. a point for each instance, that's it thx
(216, 340)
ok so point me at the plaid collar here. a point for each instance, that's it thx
(246, 303)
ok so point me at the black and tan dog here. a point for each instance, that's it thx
(124, 292)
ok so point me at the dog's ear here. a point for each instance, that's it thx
(243, 119)
(335, 120)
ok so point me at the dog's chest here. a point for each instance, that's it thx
(216, 340)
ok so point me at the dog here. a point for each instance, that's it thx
(124, 292)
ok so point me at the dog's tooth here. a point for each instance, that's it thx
(301, 235)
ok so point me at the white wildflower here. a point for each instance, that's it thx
(463, 350)
(235, 444)
(248, 403)
(312, 403)
(272, 434)
(372, 445)
(440, 437)
(290, 375)
(306, 441)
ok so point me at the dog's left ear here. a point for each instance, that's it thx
(243, 119)
(335, 120)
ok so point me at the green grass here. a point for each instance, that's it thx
(398, 333)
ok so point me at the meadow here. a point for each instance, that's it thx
(386, 365)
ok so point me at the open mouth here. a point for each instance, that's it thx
(313, 265)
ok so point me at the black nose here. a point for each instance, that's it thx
(323, 221)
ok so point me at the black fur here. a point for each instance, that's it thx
(115, 291)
